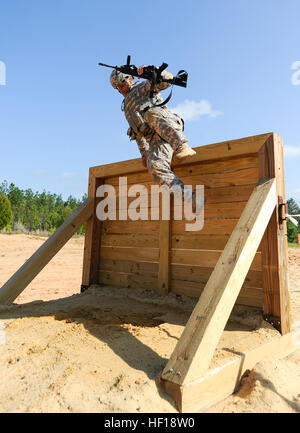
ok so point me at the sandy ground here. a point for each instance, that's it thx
(101, 351)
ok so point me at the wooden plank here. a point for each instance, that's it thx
(199, 339)
(130, 253)
(245, 176)
(217, 384)
(20, 280)
(212, 210)
(149, 269)
(241, 178)
(274, 242)
(252, 297)
(137, 227)
(199, 241)
(205, 258)
(217, 151)
(127, 280)
(130, 240)
(164, 257)
(227, 165)
(199, 274)
(92, 239)
(210, 227)
(230, 194)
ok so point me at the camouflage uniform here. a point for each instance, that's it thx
(157, 131)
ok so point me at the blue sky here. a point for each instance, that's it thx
(59, 115)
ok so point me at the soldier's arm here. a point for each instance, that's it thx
(145, 87)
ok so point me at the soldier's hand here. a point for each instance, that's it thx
(140, 70)
(144, 161)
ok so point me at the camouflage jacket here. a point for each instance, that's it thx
(135, 102)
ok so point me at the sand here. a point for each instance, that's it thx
(101, 351)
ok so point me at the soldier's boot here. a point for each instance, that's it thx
(183, 151)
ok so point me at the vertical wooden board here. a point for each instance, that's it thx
(92, 240)
(274, 242)
(164, 258)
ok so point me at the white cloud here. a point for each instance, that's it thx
(192, 110)
(68, 174)
(291, 151)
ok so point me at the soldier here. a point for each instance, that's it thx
(157, 130)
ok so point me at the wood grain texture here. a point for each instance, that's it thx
(199, 339)
(217, 384)
(163, 283)
(274, 243)
(92, 239)
(227, 149)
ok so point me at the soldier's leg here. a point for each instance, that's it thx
(168, 126)
(159, 163)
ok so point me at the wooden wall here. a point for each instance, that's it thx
(133, 253)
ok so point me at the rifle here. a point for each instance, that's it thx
(151, 73)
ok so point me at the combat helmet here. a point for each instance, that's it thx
(117, 77)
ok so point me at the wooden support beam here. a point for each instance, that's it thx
(164, 257)
(217, 384)
(20, 280)
(92, 241)
(274, 243)
(200, 337)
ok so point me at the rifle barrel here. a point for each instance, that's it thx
(107, 66)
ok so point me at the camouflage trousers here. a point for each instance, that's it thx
(165, 139)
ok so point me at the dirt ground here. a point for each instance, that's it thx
(101, 351)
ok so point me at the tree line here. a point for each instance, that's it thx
(25, 210)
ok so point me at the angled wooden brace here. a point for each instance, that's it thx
(195, 348)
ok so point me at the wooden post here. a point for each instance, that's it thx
(92, 241)
(274, 243)
(20, 280)
(164, 257)
(200, 337)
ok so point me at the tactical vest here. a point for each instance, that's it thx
(135, 106)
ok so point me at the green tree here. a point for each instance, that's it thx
(16, 197)
(292, 230)
(5, 211)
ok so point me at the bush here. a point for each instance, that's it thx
(5, 212)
